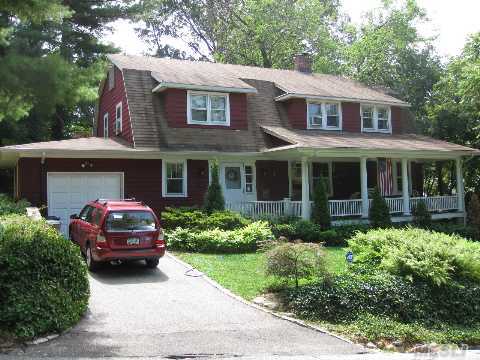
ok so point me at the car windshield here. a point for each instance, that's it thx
(130, 220)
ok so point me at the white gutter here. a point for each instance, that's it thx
(169, 85)
(288, 96)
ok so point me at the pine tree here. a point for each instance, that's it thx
(320, 210)
(421, 215)
(214, 200)
(474, 213)
(379, 213)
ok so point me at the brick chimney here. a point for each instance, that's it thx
(303, 63)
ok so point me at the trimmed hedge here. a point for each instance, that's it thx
(220, 241)
(347, 296)
(198, 220)
(311, 232)
(43, 279)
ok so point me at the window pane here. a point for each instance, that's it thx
(130, 220)
(383, 124)
(319, 169)
(218, 116)
(232, 177)
(367, 123)
(174, 170)
(199, 101)
(332, 121)
(315, 109)
(367, 111)
(217, 102)
(174, 186)
(199, 115)
(382, 113)
(332, 109)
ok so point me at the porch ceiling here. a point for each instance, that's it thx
(368, 143)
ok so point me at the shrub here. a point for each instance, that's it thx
(196, 219)
(379, 213)
(468, 232)
(220, 241)
(350, 295)
(43, 279)
(8, 206)
(474, 214)
(214, 200)
(417, 254)
(421, 215)
(320, 209)
(294, 261)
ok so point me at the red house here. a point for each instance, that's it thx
(275, 134)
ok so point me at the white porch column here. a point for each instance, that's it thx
(460, 192)
(405, 188)
(305, 190)
(364, 186)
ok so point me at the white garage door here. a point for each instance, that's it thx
(69, 192)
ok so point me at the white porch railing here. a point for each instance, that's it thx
(436, 203)
(338, 208)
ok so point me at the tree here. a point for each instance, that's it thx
(421, 215)
(379, 213)
(474, 214)
(320, 209)
(214, 200)
(265, 33)
(387, 52)
(454, 108)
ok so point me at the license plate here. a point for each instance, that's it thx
(133, 241)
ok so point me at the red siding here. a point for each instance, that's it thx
(272, 179)
(142, 179)
(176, 111)
(351, 121)
(397, 118)
(108, 102)
(297, 113)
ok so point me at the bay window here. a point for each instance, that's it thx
(174, 178)
(375, 118)
(208, 108)
(325, 115)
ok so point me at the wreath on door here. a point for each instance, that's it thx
(232, 175)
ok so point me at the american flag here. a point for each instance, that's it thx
(385, 177)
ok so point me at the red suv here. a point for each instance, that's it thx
(108, 230)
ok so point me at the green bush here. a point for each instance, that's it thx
(311, 232)
(220, 241)
(418, 254)
(295, 261)
(320, 209)
(450, 228)
(43, 279)
(196, 219)
(8, 206)
(214, 200)
(348, 296)
(379, 213)
(421, 215)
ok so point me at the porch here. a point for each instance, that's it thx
(349, 184)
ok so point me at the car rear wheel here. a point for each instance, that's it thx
(92, 265)
(152, 263)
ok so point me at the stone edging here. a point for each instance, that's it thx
(261, 308)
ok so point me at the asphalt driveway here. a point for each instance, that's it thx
(139, 312)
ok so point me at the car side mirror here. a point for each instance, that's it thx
(74, 216)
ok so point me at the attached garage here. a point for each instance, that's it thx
(68, 192)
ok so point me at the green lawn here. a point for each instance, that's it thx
(244, 274)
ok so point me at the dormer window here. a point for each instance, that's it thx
(208, 108)
(376, 118)
(325, 115)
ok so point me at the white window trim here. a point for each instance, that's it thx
(254, 188)
(375, 118)
(330, 175)
(164, 178)
(324, 115)
(118, 121)
(209, 121)
(105, 125)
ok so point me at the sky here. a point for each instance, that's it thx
(451, 21)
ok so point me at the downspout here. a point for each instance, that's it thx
(43, 183)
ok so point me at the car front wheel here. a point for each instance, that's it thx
(92, 265)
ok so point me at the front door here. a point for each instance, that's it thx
(231, 177)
